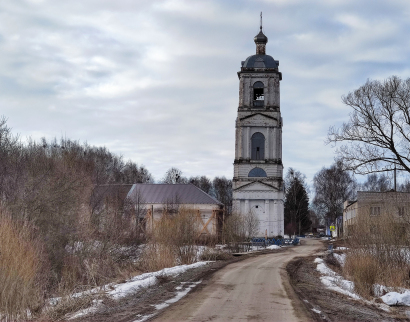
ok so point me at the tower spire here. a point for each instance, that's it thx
(260, 41)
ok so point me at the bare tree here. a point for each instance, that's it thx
(172, 204)
(377, 136)
(138, 206)
(173, 176)
(332, 187)
(222, 190)
(251, 222)
(202, 183)
(376, 182)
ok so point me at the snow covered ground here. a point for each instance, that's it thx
(337, 283)
(118, 291)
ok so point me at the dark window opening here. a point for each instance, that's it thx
(256, 206)
(258, 146)
(258, 94)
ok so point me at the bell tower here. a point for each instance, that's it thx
(258, 168)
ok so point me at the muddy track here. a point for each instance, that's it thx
(254, 289)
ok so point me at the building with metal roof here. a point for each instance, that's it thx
(153, 201)
(187, 194)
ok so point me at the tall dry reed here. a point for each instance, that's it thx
(21, 262)
(172, 241)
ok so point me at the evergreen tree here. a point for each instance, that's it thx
(296, 204)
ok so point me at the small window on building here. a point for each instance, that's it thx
(374, 211)
(258, 95)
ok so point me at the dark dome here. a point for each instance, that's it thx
(260, 38)
(260, 61)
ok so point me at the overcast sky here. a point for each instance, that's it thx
(156, 81)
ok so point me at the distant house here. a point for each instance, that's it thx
(370, 206)
(152, 201)
(136, 207)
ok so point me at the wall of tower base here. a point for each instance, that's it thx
(267, 207)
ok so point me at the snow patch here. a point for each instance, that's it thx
(117, 291)
(273, 247)
(341, 258)
(177, 297)
(394, 298)
(335, 282)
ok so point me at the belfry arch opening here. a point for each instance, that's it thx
(258, 146)
(258, 94)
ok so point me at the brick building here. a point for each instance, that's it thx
(370, 206)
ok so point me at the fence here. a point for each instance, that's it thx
(279, 242)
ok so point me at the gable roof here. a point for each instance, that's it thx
(177, 193)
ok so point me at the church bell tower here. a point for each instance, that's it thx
(258, 168)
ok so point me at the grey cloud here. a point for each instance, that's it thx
(156, 80)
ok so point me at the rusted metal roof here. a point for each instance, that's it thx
(176, 193)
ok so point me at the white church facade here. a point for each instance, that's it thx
(258, 168)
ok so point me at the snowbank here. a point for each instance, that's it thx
(394, 298)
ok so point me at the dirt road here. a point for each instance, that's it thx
(255, 289)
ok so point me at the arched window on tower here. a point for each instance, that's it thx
(257, 172)
(258, 146)
(258, 96)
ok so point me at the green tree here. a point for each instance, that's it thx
(296, 203)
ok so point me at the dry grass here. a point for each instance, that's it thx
(215, 255)
(21, 263)
(363, 270)
(379, 252)
(172, 242)
(67, 305)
